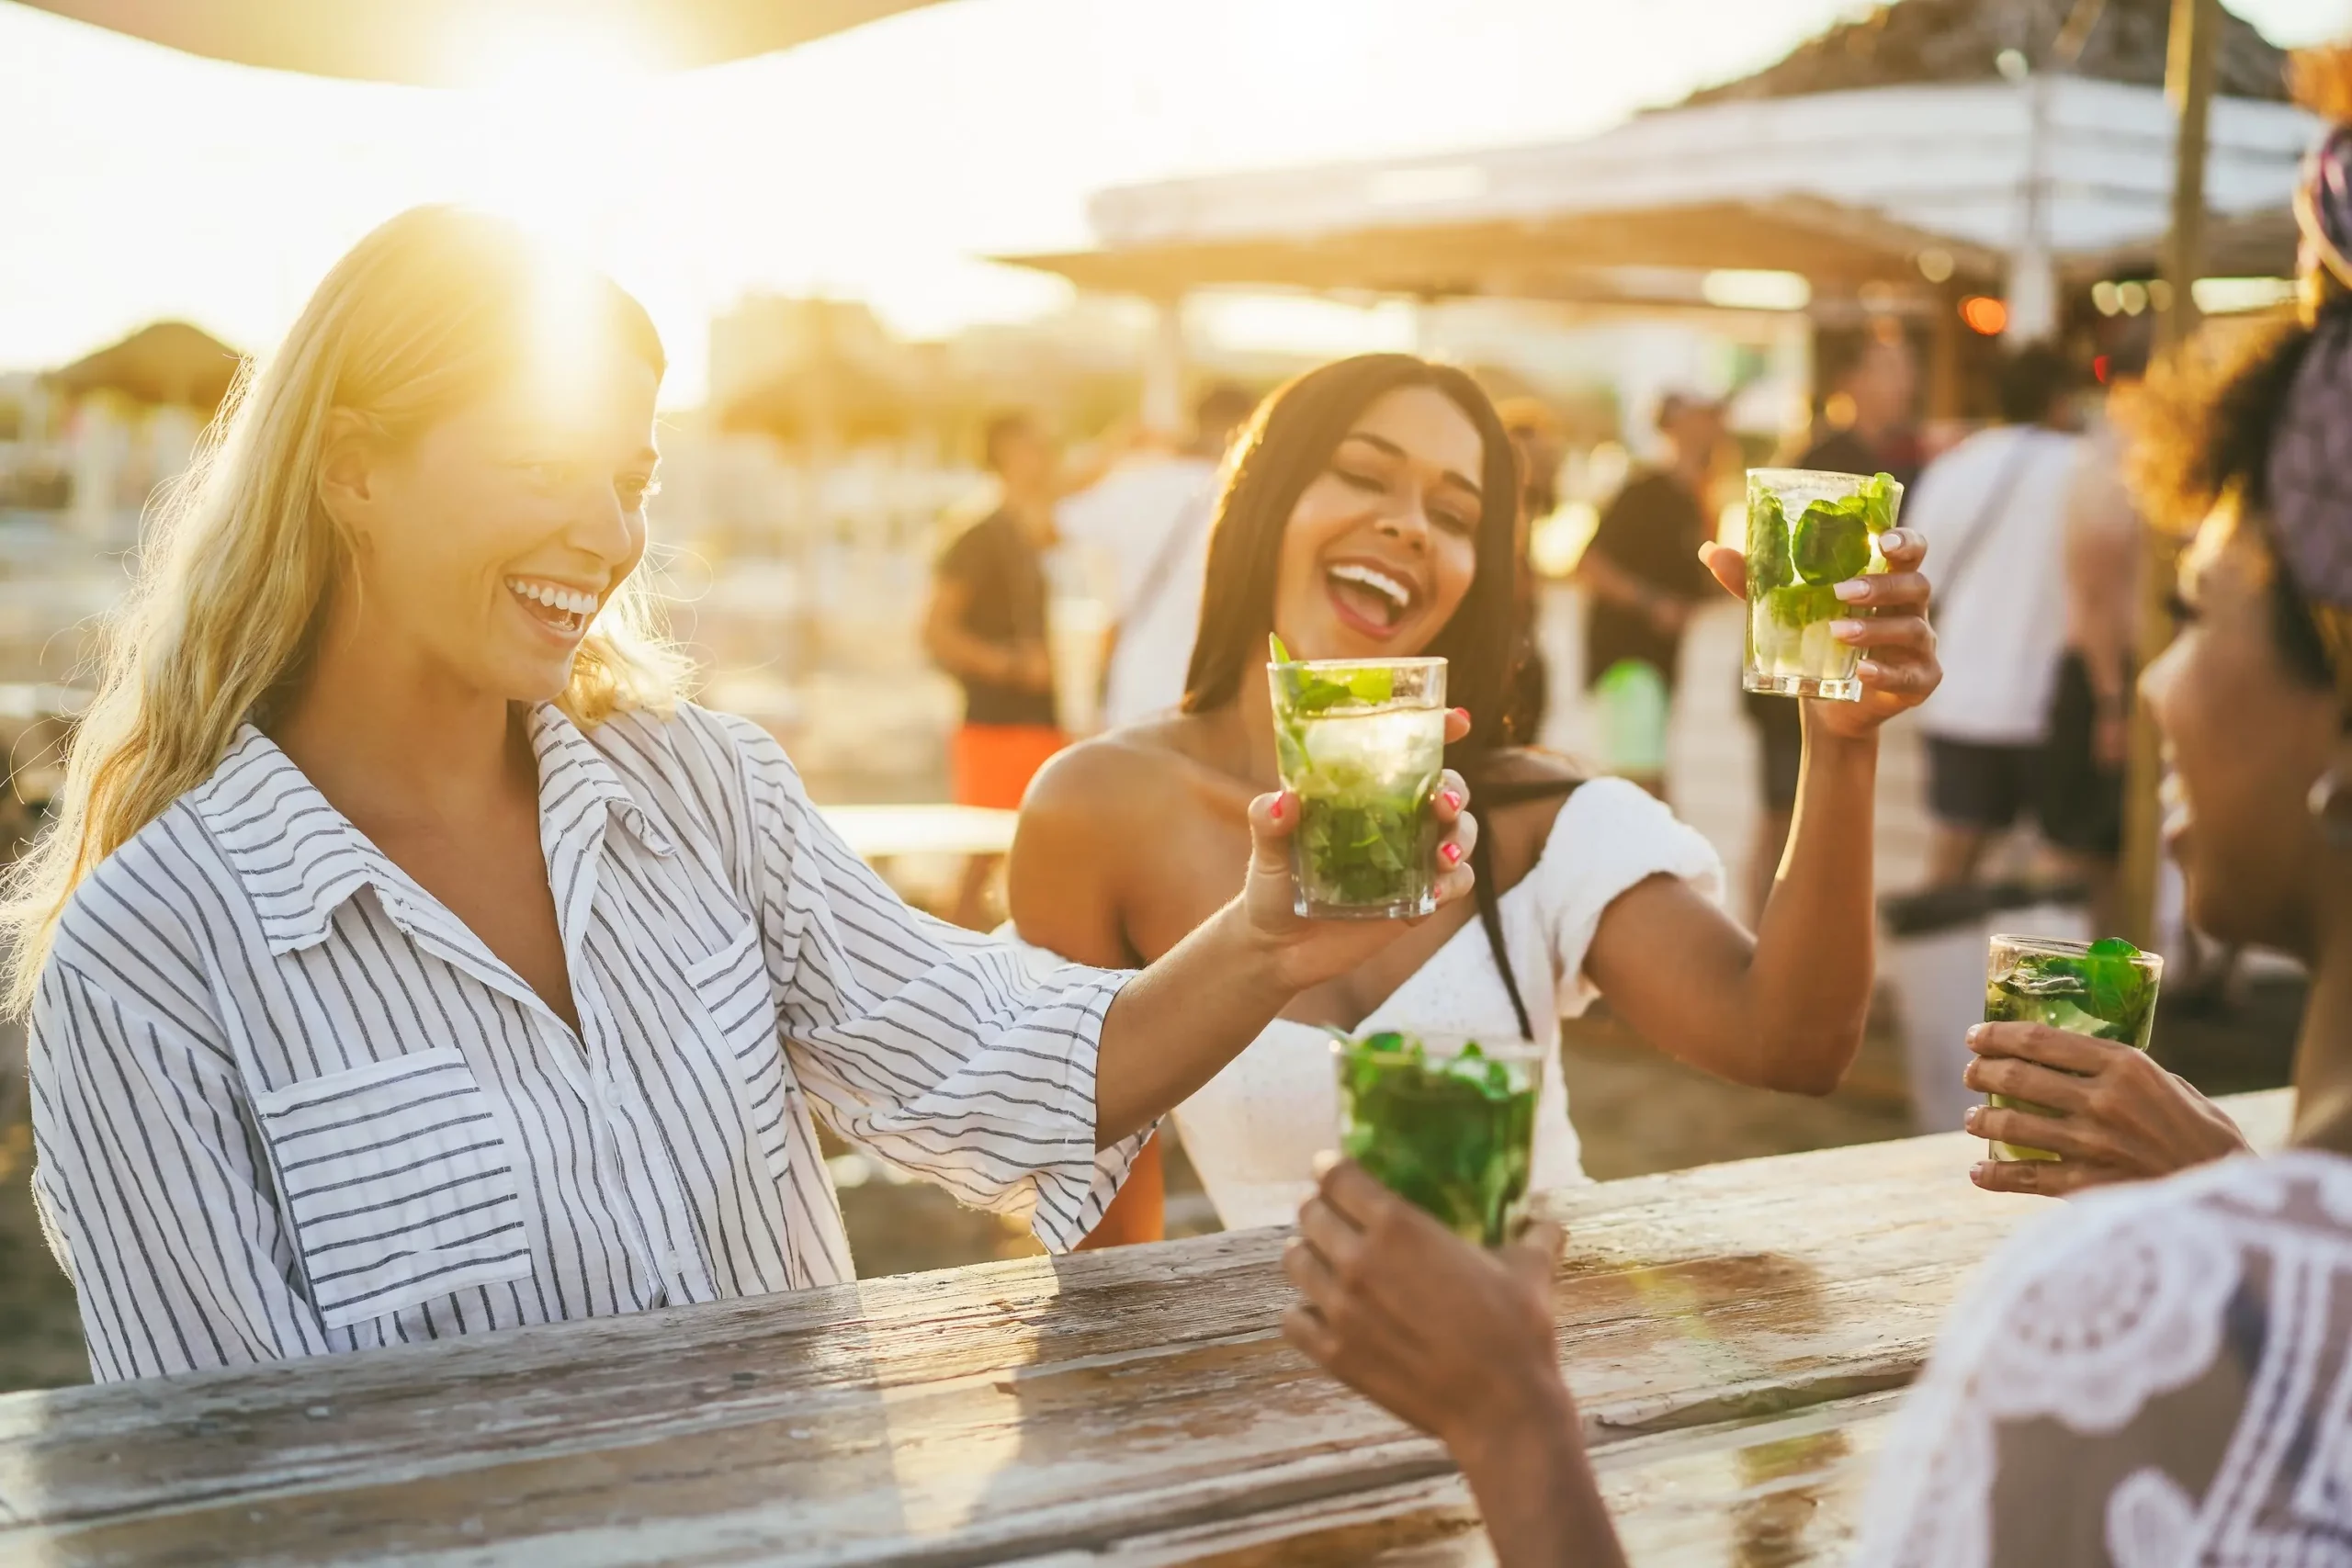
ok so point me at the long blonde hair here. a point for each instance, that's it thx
(239, 560)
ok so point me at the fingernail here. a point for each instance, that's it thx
(1450, 854)
(1461, 714)
(1853, 589)
(1281, 808)
(1975, 1032)
(1848, 631)
(1970, 1120)
(1867, 670)
(1452, 800)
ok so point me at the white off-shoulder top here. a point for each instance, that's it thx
(1253, 1131)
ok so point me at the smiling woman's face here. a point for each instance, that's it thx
(488, 542)
(2246, 738)
(1383, 545)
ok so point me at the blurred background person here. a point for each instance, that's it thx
(1540, 446)
(986, 627)
(1644, 577)
(1148, 518)
(1994, 512)
(2090, 710)
(1866, 427)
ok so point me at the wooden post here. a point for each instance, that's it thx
(2188, 83)
(1163, 369)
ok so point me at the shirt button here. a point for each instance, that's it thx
(675, 1263)
(616, 1095)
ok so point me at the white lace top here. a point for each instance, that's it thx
(2154, 1377)
(1254, 1130)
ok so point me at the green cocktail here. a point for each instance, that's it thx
(1449, 1123)
(1362, 743)
(2106, 989)
(1807, 531)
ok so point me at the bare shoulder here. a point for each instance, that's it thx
(1094, 793)
(1089, 857)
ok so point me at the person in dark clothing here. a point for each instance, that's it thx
(1642, 570)
(986, 627)
(1865, 429)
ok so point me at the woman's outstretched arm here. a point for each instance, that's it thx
(1784, 1008)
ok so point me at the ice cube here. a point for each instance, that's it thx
(1398, 743)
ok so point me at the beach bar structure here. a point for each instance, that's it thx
(1897, 165)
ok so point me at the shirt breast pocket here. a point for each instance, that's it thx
(397, 1182)
(731, 986)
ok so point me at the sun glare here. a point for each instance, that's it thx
(558, 120)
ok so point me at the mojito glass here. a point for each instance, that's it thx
(1807, 531)
(1362, 743)
(1446, 1122)
(2106, 989)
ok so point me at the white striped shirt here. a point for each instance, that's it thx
(286, 1104)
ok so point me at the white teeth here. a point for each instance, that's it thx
(1378, 581)
(555, 596)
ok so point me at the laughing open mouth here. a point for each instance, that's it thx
(1365, 594)
(555, 605)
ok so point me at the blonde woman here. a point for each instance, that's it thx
(409, 961)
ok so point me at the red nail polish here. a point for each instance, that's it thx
(1280, 805)
(1452, 801)
(1451, 853)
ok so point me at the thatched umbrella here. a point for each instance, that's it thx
(1962, 41)
(436, 43)
(168, 363)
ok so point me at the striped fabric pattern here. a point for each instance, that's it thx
(285, 1103)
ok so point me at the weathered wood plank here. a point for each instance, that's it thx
(1783, 1491)
(980, 1414)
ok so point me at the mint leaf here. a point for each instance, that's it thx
(1374, 686)
(1798, 607)
(1768, 545)
(2115, 979)
(1878, 498)
(1282, 654)
(1831, 542)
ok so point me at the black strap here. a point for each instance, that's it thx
(1971, 543)
(1481, 862)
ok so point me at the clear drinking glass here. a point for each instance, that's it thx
(1445, 1120)
(1807, 531)
(2106, 989)
(1362, 743)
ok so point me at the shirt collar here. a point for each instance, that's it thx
(300, 859)
(576, 781)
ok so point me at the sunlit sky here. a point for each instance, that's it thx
(141, 183)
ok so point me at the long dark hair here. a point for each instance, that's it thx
(1284, 448)
(1287, 443)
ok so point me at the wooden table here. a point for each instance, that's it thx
(1735, 1334)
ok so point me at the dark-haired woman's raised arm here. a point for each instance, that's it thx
(1784, 1008)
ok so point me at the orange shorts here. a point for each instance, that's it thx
(992, 763)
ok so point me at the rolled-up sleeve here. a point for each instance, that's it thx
(953, 1056)
(149, 1192)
